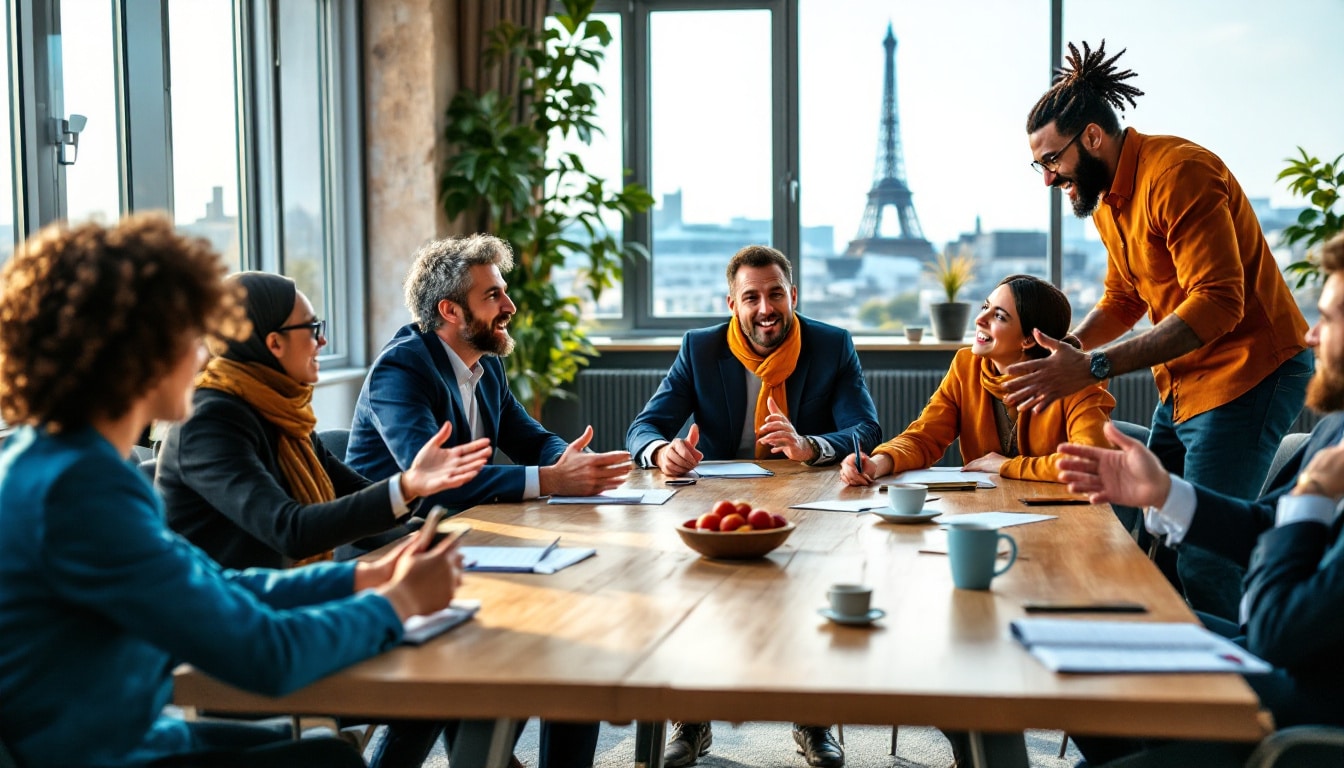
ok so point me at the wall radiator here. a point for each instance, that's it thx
(611, 399)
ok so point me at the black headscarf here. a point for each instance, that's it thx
(270, 300)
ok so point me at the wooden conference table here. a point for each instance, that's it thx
(649, 631)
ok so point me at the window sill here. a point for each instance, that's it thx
(861, 343)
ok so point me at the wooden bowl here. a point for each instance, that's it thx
(734, 545)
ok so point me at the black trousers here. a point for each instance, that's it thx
(408, 742)
(228, 745)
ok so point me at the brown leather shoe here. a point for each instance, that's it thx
(818, 746)
(688, 742)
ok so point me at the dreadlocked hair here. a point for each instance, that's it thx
(1088, 89)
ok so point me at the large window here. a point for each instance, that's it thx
(762, 121)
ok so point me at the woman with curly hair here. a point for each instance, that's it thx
(969, 404)
(100, 334)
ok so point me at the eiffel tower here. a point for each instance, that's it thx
(889, 188)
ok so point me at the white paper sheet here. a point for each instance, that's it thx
(651, 496)
(996, 519)
(732, 469)
(1079, 645)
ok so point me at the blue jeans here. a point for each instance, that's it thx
(1229, 450)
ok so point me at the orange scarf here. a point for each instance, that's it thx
(773, 370)
(289, 406)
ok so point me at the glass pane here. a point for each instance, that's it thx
(711, 150)
(8, 183)
(205, 126)
(302, 131)
(1240, 79)
(88, 77)
(959, 179)
(603, 158)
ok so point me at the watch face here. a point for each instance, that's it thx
(1101, 365)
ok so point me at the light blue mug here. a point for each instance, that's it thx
(972, 550)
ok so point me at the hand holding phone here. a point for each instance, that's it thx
(444, 529)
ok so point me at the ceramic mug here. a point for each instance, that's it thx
(972, 550)
(850, 599)
(907, 498)
(913, 333)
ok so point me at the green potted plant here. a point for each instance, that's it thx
(952, 273)
(545, 204)
(1320, 184)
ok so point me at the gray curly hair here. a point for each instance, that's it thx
(442, 270)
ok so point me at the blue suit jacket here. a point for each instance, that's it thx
(1294, 588)
(411, 390)
(828, 398)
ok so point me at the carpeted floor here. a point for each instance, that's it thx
(769, 745)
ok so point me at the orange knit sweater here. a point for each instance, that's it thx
(963, 407)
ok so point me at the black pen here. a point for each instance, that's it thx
(858, 458)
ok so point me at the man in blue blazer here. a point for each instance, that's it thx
(1292, 607)
(766, 384)
(445, 366)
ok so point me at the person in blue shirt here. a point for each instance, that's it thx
(100, 334)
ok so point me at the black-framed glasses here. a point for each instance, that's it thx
(1051, 162)
(318, 327)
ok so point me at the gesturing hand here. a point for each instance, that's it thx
(577, 473)
(436, 468)
(990, 462)
(680, 456)
(1131, 474)
(1037, 383)
(778, 433)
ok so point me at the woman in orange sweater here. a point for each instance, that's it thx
(969, 402)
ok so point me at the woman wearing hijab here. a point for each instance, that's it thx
(969, 402)
(98, 600)
(246, 478)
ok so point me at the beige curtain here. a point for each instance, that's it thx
(477, 17)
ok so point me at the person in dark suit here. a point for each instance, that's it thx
(1292, 606)
(445, 367)
(767, 383)
(246, 478)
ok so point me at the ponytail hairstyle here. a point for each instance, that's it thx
(1088, 89)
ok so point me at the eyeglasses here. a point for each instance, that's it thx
(1051, 162)
(318, 327)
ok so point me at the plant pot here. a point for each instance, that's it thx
(950, 319)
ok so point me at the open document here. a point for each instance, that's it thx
(1078, 645)
(731, 469)
(650, 496)
(945, 479)
(548, 559)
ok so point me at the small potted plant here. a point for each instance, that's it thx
(1320, 183)
(951, 317)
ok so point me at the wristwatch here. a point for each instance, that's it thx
(1101, 365)
(816, 446)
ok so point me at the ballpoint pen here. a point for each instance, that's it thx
(549, 549)
(858, 458)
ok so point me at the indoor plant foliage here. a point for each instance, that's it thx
(952, 273)
(503, 179)
(1320, 184)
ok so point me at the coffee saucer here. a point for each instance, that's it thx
(839, 618)
(892, 517)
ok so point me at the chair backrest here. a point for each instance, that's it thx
(335, 440)
(1287, 447)
(1130, 429)
(6, 758)
(148, 467)
(1305, 745)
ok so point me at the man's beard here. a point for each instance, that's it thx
(760, 340)
(1325, 390)
(1089, 182)
(482, 337)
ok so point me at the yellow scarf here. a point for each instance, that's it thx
(773, 370)
(289, 406)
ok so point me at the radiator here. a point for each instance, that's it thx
(610, 400)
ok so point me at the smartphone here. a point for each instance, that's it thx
(1111, 606)
(444, 529)
(1039, 501)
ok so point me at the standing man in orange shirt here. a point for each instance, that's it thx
(1227, 347)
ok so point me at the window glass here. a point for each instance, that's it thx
(1242, 79)
(602, 157)
(303, 119)
(711, 151)
(205, 126)
(7, 234)
(88, 80)
(961, 95)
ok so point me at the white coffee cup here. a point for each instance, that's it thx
(850, 599)
(907, 498)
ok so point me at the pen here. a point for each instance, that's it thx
(549, 549)
(858, 458)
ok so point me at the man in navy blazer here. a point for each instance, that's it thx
(446, 366)
(727, 377)
(1292, 607)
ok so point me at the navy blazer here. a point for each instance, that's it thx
(1294, 589)
(828, 398)
(411, 391)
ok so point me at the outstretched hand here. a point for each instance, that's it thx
(1035, 384)
(1128, 474)
(680, 456)
(436, 468)
(778, 433)
(579, 473)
